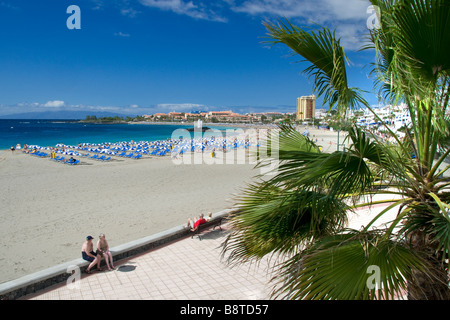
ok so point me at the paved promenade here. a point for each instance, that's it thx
(187, 269)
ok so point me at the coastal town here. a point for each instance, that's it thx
(398, 116)
(306, 113)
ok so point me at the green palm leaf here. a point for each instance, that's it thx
(412, 45)
(327, 58)
(275, 220)
(349, 266)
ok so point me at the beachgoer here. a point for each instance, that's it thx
(194, 223)
(12, 149)
(103, 248)
(88, 254)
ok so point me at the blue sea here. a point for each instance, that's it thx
(71, 132)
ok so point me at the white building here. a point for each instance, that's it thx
(395, 116)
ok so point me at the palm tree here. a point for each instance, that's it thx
(299, 216)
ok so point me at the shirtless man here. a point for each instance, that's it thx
(88, 254)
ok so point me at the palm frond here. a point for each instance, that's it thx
(328, 62)
(440, 227)
(349, 266)
(411, 45)
(276, 220)
(422, 36)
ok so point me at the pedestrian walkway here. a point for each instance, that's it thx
(187, 269)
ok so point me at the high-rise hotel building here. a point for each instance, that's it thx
(306, 107)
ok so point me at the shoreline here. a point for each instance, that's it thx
(312, 129)
(172, 124)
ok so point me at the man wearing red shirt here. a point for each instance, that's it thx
(193, 224)
(199, 222)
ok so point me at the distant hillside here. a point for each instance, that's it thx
(60, 115)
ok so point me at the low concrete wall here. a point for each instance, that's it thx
(40, 280)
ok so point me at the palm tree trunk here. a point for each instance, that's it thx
(432, 284)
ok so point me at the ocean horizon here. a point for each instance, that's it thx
(50, 132)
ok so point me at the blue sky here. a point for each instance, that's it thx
(146, 56)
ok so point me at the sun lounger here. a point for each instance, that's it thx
(40, 154)
(73, 162)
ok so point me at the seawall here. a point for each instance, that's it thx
(43, 279)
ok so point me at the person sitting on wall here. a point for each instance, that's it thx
(194, 223)
(88, 254)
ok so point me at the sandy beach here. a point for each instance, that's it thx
(48, 208)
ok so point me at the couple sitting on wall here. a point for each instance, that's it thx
(88, 254)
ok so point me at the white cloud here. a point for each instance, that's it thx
(180, 107)
(121, 34)
(347, 16)
(314, 10)
(197, 11)
(54, 104)
(129, 12)
(8, 6)
(178, 6)
(97, 4)
(131, 109)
